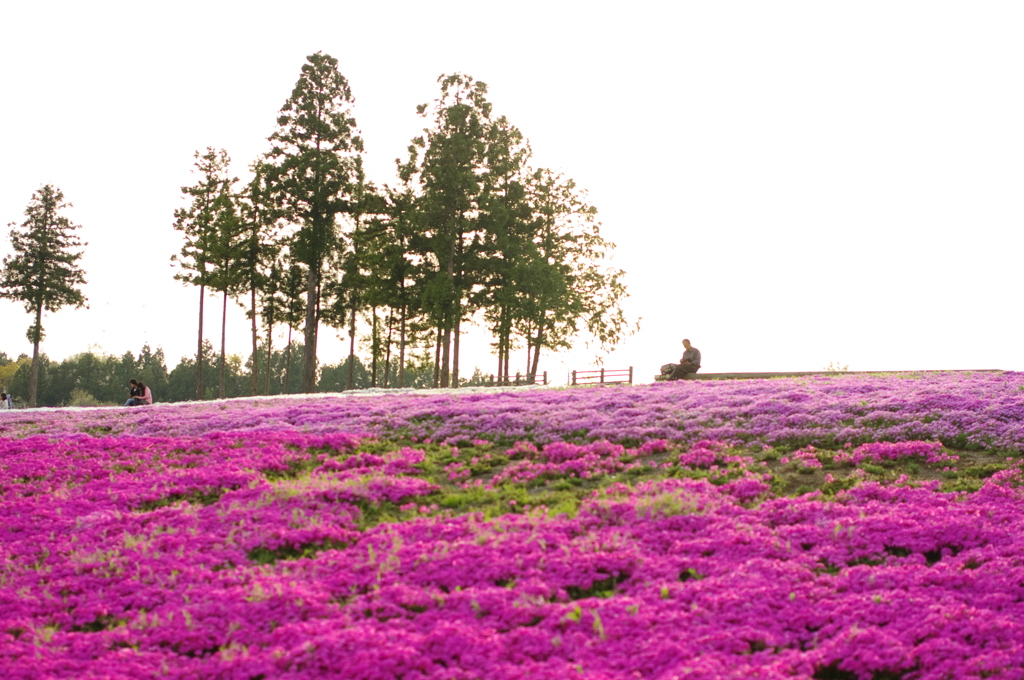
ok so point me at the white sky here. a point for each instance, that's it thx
(788, 183)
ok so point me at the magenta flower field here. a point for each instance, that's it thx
(834, 527)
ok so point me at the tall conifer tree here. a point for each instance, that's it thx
(202, 221)
(43, 272)
(314, 171)
(256, 258)
(447, 162)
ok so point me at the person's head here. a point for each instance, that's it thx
(3, 395)
(686, 343)
(133, 382)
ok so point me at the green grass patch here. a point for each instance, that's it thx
(264, 555)
(465, 476)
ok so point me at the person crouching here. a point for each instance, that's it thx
(138, 394)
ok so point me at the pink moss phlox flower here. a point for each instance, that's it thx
(244, 540)
(703, 454)
(878, 451)
(806, 457)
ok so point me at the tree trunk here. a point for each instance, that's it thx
(508, 354)
(288, 360)
(451, 312)
(309, 339)
(529, 356)
(374, 346)
(508, 344)
(401, 353)
(446, 356)
(457, 282)
(455, 350)
(270, 350)
(199, 350)
(501, 345)
(532, 370)
(223, 342)
(33, 379)
(437, 358)
(501, 356)
(387, 353)
(352, 347)
(536, 354)
(255, 344)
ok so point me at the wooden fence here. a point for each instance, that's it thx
(540, 379)
(603, 376)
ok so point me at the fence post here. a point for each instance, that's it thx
(574, 377)
(630, 375)
(602, 375)
(517, 378)
(545, 378)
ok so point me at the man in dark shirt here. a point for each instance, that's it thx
(690, 363)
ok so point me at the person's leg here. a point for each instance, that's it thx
(681, 370)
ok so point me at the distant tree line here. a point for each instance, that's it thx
(470, 233)
(96, 379)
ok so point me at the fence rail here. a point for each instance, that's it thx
(539, 379)
(603, 376)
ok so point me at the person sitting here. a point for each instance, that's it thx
(139, 394)
(133, 392)
(5, 401)
(690, 363)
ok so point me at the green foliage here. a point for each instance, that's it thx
(90, 379)
(42, 272)
(336, 378)
(196, 497)
(836, 485)
(873, 469)
(256, 262)
(264, 555)
(9, 369)
(580, 288)
(280, 374)
(962, 484)
(22, 380)
(80, 397)
(983, 471)
(210, 206)
(602, 588)
(385, 279)
(520, 244)
(105, 377)
(447, 165)
(182, 381)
